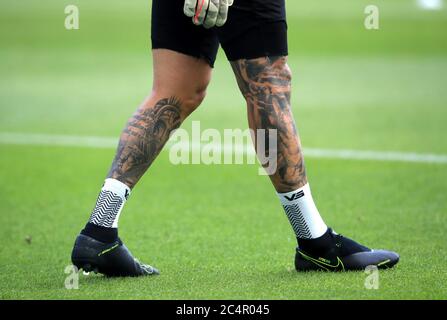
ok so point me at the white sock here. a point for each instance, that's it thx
(109, 204)
(302, 213)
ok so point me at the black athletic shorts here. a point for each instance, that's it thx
(255, 28)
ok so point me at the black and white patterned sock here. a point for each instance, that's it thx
(109, 204)
(302, 213)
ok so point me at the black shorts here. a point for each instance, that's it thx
(255, 28)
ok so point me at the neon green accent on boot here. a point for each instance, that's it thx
(108, 250)
(383, 262)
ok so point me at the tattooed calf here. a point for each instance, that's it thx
(266, 85)
(143, 138)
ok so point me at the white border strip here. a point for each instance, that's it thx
(107, 143)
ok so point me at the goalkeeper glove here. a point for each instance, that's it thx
(210, 13)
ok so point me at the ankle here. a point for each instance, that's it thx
(103, 234)
(317, 245)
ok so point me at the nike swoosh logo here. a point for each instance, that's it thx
(321, 264)
(108, 250)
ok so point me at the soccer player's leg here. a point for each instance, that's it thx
(265, 84)
(179, 87)
(183, 56)
(264, 79)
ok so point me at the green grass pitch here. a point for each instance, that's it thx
(219, 231)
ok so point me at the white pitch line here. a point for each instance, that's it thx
(376, 155)
(108, 142)
(57, 140)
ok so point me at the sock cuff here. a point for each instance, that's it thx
(294, 197)
(116, 187)
(103, 234)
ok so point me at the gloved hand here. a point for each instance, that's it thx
(210, 13)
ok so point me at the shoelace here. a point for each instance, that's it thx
(338, 240)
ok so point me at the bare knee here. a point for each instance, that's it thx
(182, 76)
(193, 99)
(187, 101)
